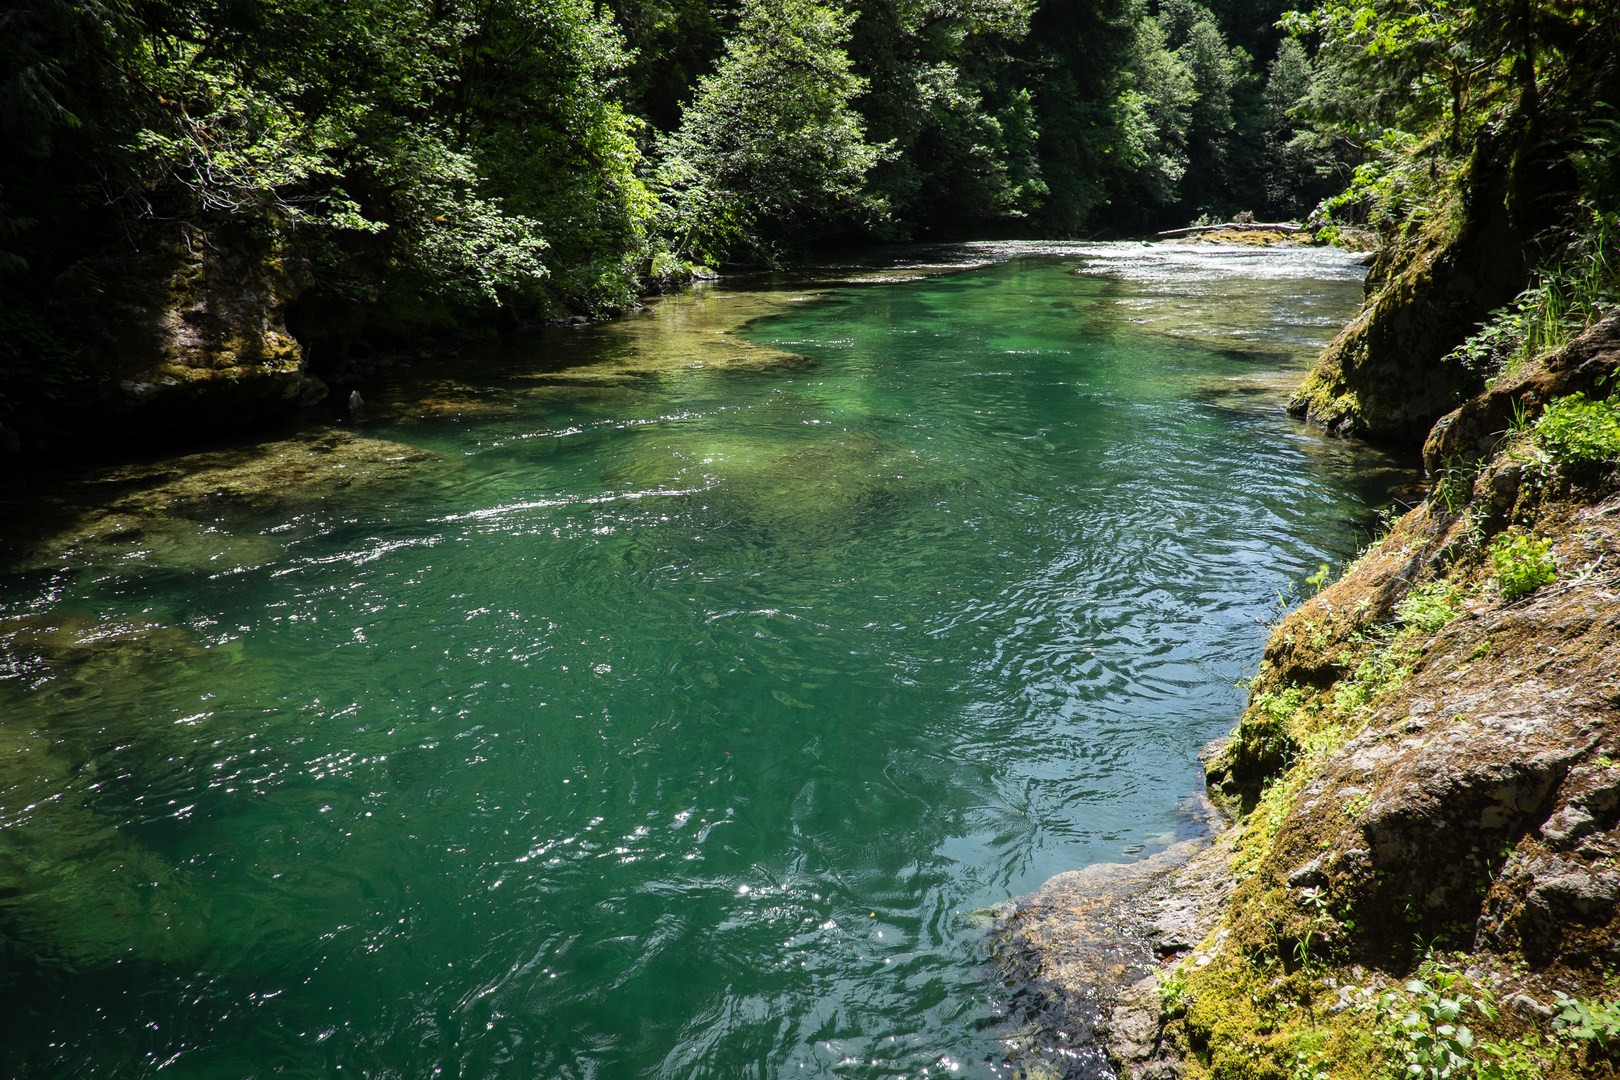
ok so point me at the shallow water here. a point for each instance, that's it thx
(662, 698)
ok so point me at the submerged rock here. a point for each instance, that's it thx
(32, 646)
(803, 495)
(76, 887)
(1079, 955)
(182, 513)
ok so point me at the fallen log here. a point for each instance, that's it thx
(1234, 226)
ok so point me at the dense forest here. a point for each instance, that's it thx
(383, 169)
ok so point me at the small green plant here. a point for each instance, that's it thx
(1549, 316)
(1429, 607)
(1595, 1022)
(1521, 421)
(1306, 1067)
(1321, 924)
(1279, 706)
(1454, 484)
(1423, 1028)
(1517, 1060)
(1172, 991)
(1523, 564)
(1578, 431)
(1496, 344)
(1380, 670)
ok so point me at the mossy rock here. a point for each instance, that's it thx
(1389, 375)
(183, 329)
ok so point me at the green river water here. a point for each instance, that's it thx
(657, 699)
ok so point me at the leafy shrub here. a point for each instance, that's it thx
(1523, 564)
(1579, 431)
(1423, 1024)
(1596, 1022)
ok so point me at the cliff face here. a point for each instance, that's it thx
(181, 331)
(1428, 778)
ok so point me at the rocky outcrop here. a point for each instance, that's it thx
(1079, 955)
(1390, 373)
(1472, 431)
(1428, 777)
(1440, 781)
(184, 331)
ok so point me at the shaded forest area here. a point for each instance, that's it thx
(373, 171)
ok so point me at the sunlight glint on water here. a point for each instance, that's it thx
(676, 717)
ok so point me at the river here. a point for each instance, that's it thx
(665, 698)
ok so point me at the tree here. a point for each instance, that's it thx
(1293, 173)
(771, 150)
(1075, 64)
(942, 91)
(1155, 117)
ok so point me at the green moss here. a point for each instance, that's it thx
(1249, 1019)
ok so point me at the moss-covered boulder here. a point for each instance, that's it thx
(1390, 373)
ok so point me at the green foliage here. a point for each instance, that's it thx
(1523, 564)
(1380, 670)
(1498, 345)
(1393, 188)
(1155, 114)
(537, 111)
(771, 149)
(943, 92)
(1518, 1059)
(1578, 431)
(1429, 607)
(1297, 174)
(1595, 162)
(1424, 1025)
(469, 155)
(671, 43)
(1172, 991)
(1454, 484)
(1076, 65)
(1594, 1022)
(1567, 296)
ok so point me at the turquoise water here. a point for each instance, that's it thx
(662, 698)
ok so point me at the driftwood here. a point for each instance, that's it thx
(1235, 226)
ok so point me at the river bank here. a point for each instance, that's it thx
(1425, 784)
